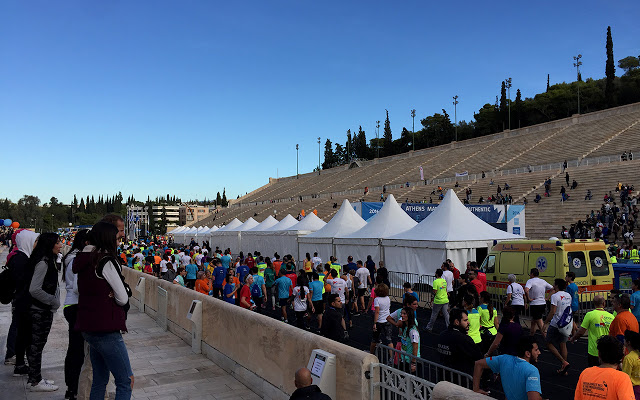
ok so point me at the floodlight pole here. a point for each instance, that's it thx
(318, 155)
(413, 129)
(297, 158)
(577, 64)
(455, 114)
(377, 139)
(507, 83)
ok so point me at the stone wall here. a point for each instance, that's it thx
(259, 351)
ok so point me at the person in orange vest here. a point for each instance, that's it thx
(315, 211)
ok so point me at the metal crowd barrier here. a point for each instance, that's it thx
(424, 369)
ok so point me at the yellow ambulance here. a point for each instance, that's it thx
(587, 258)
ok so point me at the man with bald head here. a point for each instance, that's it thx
(305, 389)
(597, 323)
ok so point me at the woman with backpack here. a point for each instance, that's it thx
(302, 301)
(103, 303)
(75, 350)
(45, 300)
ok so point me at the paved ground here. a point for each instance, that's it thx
(163, 365)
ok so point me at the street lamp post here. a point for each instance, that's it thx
(507, 84)
(377, 139)
(318, 155)
(297, 158)
(455, 114)
(51, 222)
(413, 129)
(577, 64)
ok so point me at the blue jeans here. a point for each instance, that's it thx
(108, 353)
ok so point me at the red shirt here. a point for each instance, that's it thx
(456, 273)
(250, 262)
(478, 284)
(483, 278)
(276, 266)
(293, 278)
(245, 293)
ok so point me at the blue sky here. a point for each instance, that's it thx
(156, 97)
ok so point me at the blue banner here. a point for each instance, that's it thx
(490, 213)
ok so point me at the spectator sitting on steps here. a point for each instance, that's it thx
(506, 186)
(588, 195)
(574, 184)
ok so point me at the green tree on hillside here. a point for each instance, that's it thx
(629, 64)
(387, 137)
(329, 158)
(610, 70)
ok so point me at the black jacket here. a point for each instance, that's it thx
(457, 350)
(310, 392)
(19, 267)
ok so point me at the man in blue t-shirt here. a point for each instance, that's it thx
(284, 285)
(350, 264)
(226, 260)
(635, 298)
(219, 275)
(520, 379)
(241, 272)
(190, 279)
(257, 294)
(572, 289)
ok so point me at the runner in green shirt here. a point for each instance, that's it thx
(440, 301)
(597, 323)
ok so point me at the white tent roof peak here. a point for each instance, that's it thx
(451, 221)
(390, 220)
(233, 224)
(248, 224)
(310, 223)
(287, 222)
(264, 225)
(345, 222)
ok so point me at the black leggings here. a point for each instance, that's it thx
(23, 335)
(75, 351)
(41, 321)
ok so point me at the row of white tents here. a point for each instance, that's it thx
(450, 231)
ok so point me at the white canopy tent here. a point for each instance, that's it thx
(176, 234)
(188, 234)
(389, 221)
(345, 222)
(231, 237)
(261, 239)
(451, 231)
(233, 224)
(269, 222)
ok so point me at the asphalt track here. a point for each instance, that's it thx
(553, 385)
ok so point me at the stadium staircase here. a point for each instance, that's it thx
(591, 143)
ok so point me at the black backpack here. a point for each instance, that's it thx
(7, 286)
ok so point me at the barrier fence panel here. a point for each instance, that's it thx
(425, 369)
(397, 280)
(389, 383)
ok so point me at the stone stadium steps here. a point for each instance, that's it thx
(629, 140)
(575, 141)
(546, 218)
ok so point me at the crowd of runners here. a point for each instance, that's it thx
(326, 297)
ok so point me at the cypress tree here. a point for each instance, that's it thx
(387, 137)
(610, 71)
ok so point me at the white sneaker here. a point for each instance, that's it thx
(43, 386)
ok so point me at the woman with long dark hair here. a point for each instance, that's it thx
(75, 350)
(45, 300)
(102, 304)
